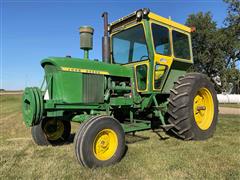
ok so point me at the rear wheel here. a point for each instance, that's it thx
(51, 131)
(193, 107)
(99, 142)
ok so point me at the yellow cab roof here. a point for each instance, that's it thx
(169, 22)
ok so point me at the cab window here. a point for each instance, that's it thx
(181, 46)
(141, 73)
(129, 45)
(161, 39)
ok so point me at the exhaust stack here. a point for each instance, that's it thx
(105, 40)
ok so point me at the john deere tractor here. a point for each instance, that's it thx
(141, 83)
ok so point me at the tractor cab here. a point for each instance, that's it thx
(158, 49)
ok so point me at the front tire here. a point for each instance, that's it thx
(193, 107)
(99, 142)
(51, 132)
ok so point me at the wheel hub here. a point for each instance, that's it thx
(105, 144)
(203, 108)
(53, 129)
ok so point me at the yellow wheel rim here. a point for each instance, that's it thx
(203, 108)
(105, 144)
(54, 129)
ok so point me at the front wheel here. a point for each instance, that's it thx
(193, 107)
(99, 142)
(51, 131)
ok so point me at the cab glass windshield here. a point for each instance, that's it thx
(129, 45)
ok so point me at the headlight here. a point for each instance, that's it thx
(139, 14)
(146, 11)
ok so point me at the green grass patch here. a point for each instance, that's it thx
(148, 156)
(230, 105)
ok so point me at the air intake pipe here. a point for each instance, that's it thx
(105, 40)
(86, 39)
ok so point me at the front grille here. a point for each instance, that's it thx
(93, 88)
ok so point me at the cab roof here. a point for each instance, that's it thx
(132, 17)
(169, 22)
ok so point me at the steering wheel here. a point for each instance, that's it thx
(144, 56)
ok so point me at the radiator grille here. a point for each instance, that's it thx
(93, 88)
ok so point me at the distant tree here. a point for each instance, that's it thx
(217, 50)
(232, 32)
(231, 47)
(206, 43)
(233, 18)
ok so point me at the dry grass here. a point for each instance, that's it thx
(230, 105)
(153, 158)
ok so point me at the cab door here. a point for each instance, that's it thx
(129, 48)
(141, 75)
(162, 53)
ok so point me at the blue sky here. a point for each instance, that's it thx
(33, 30)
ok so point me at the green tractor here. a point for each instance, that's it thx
(141, 84)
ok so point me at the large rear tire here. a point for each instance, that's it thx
(51, 132)
(99, 142)
(193, 107)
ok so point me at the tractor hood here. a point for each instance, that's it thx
(87, 66)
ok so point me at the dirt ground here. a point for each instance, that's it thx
(11, 93)
(229, 110)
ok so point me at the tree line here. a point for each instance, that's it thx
(217, 50)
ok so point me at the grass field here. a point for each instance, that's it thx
(230, 105)
(147, 158)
